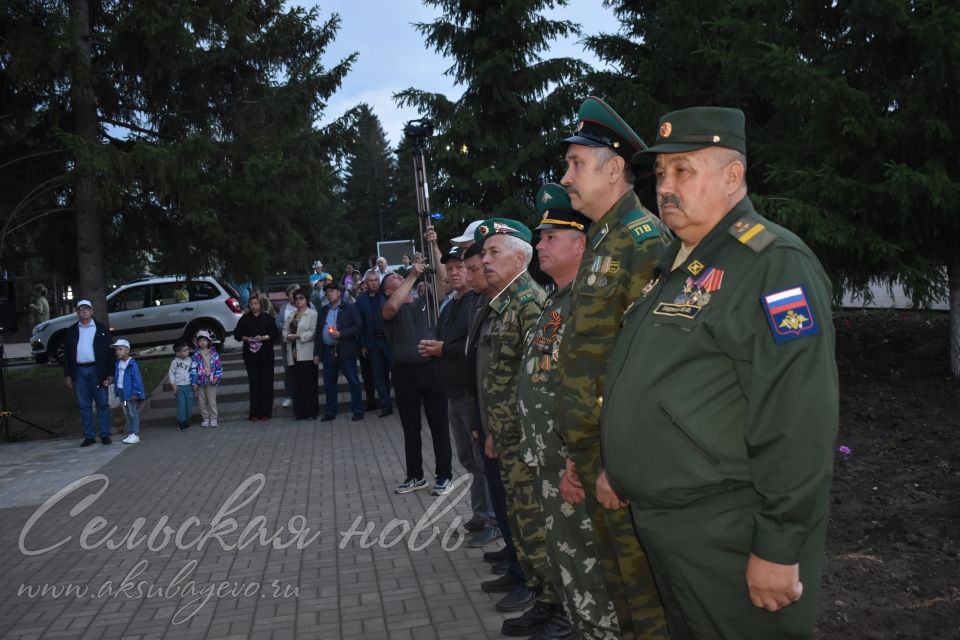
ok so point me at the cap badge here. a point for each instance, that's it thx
(499, 227)
(716, 139)
(483, 229)
(579, 126)
(547, 197)
(666, 129)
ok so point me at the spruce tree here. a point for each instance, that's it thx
(500, 140)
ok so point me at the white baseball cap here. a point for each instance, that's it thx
(317, 264)
(84, 302)
(121, 343)
(468, 233)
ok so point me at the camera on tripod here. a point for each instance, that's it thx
(420, 128)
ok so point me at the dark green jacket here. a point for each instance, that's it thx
(708, 393)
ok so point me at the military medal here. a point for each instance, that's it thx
(601, 281)
(592, 279)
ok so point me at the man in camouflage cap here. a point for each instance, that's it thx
(506, 251)
(723, 386)
(571, 547)
(623, 246)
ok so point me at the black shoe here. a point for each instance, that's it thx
(518, 599)
(532, 621)
(372, 406)
(183, 426)
(474, 524)
(500, 568)
(503, 584)
(357, 417)
(557, 627)
(87, 442)
(106, 440)
(386, 412)
(496, 556)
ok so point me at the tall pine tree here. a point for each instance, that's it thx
(499, 141)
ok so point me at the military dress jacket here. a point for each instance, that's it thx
(538, 386)
(622, 250)
(515, 311)
(724, 379)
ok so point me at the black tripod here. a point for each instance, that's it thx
(6, 415)
(419, 131)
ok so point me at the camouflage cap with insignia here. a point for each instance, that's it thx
(698, 128)
(502, 227)
(598, 125)
(556, 212)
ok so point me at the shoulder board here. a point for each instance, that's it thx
(754, 235)
(640, 226)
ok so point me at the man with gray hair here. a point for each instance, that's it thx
(506, 251)
(373, 340)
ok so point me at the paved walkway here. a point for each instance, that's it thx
(105, 538)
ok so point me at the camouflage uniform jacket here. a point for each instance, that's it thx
(515, 310)
(623, 248)
(537, 392)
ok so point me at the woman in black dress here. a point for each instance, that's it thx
(257, 330)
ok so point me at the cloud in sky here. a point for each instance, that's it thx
(393, 55)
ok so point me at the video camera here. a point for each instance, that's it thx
(421, 128)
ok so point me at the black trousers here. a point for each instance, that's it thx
(370, 391)
(260, 377)
(416, 386)
(306, 389)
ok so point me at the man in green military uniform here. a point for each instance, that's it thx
(721, 405)
(571, 549)
(506, 251)
(623, 246)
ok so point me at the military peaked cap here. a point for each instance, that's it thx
(698, 128)
(598, 125)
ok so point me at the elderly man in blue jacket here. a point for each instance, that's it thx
(88, 368)
(337, 345)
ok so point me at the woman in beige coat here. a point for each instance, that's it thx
(299, 331)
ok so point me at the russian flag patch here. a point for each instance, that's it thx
(789, 314)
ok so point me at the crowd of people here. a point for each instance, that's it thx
(651, 434)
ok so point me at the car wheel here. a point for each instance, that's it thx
(55, 348)
(211, 326)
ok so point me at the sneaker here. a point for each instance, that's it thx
(411, 484)
(214, 424)
(441, 487)
(105, 439)
(205, 423)
(183, 426)
(131, 439)
(489, 535)
(287, 402)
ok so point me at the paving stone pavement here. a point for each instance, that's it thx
(104, 538)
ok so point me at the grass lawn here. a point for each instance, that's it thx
(38, 394)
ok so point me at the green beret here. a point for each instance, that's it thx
(698, 128)
(555, 209)
(501, 227)
(598, 125)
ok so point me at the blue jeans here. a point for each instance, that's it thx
(131, 411)
(90, 391)
(332, 367)
(184, 403)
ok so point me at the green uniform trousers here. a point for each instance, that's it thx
(572, 554)
(526, 522)
(699, 558)
(625, 565)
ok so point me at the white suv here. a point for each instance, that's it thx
(152, 311)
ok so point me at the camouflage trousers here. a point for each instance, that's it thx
(572, 554)
(526, 522)
(625, 566)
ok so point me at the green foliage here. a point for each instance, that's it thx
(209, 157)
(498, 142)
(851, 110)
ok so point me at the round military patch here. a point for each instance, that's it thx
(666, 129)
